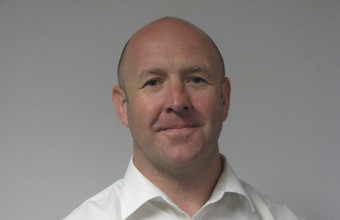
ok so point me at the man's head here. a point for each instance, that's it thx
(173, 94)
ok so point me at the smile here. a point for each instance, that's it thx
(178, 127)
(178, 131)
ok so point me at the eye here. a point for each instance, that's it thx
(197, 80)
(152, 83)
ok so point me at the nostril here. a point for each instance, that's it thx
(168, 110)
(177, 110)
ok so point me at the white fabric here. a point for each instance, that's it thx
(135, 198)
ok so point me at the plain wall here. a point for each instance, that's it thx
(61, 141)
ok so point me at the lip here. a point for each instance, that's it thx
(178, 131)
(176, 127)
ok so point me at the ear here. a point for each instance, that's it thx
(120, 102)
(225, 92)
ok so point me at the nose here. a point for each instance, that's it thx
(177, 99)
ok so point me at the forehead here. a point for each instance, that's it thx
(168, 41)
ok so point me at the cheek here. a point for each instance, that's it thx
(209, 106)
(141, 113)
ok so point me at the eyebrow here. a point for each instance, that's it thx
(160, 72)
(154, 71)
(195, 69)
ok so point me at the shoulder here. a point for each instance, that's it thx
(101, 206)
(268, 207)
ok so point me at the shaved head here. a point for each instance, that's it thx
(174, 98)
(166, 27)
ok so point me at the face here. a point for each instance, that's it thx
(175, 98)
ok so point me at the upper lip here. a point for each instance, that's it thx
(176, 126)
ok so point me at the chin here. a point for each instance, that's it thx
(183, 158)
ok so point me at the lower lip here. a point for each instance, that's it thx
(178, 132)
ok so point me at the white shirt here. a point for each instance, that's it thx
(135, 198)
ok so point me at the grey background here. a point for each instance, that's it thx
(61, 141)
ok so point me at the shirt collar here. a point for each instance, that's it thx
(229, 183)
(134, 183)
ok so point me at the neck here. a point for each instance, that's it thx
(190, 187)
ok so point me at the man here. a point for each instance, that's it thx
(174, 97)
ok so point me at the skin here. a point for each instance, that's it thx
(174, 98)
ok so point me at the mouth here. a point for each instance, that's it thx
(176, 127)
(178, 131)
